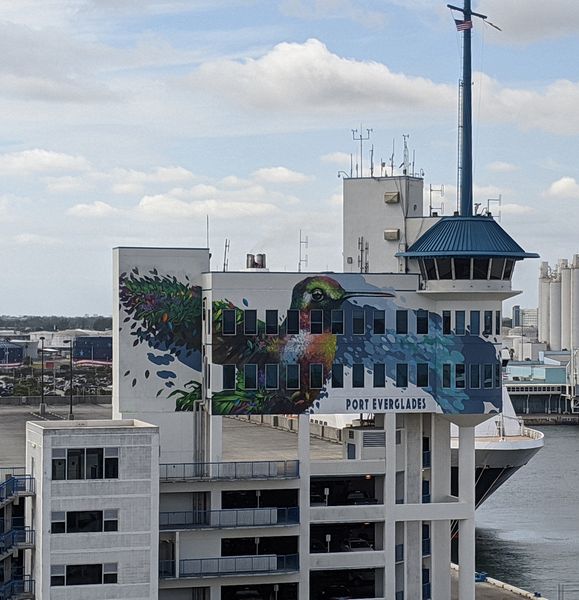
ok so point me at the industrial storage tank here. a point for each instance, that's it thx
(565, 273)
(555, 314)
(575, 302)
(544, 297)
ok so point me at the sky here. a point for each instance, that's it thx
(128, 122)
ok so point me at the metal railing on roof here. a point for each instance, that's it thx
(267, 469)
(235, 517)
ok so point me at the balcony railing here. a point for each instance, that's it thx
(267, 469)
(15, 539)
(21, 485)
(230, 565)
(18, 588)
(238, 517)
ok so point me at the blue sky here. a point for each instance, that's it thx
(125, 122)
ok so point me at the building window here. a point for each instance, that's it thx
(480, 268)
(446, 327)
(250, 322)
(358, 375)
(475, 322)
(58, 464)
(422, 322)
(446, 375)
(497, 268)
(111, 463)
(271, 376)
(401, 321)
(488, 324)
(498, 322)
(84, 521)
(488, 376)
(358, 321)
(460, 379)
(65, 575)
(228, 377)
(422, 375)
(271, 322)
(430, 268)
(498, 375)
(475, 376)
(460, 322)
(379, 375)
(94, 463)
(58, 522)
(292, 377)
(316, 321)
(338, 322)
(379, 325)
(84, 463)
(337, 375)
(293, 321)
(444, 266)
(402, 375)
(250, 377)
(462, 268)
(75, 463)
(509, 265)
(228, 321)
(316, 376)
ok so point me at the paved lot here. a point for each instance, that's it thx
(484, 591)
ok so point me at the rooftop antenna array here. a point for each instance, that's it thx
(303, 258)
(360, 137)
(392, 157)
(436, 209)
(226, 255)
(497, 201)
(405, 166)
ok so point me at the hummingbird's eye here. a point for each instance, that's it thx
(317, 295)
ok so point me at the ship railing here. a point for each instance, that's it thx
(229, 565)
(17, 588)
(265, 469)
(225, 518)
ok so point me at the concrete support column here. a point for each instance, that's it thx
(215, 591)
(177, 553)
(466, 528)
(440, 490)
(304, 502)
(389, 494)
(216, 439)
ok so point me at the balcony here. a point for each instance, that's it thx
(267, 469)
(21, 485)
(228, 518)
(19, 589)
(229, 565)
(16, 539)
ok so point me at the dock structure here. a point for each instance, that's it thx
(492, 589)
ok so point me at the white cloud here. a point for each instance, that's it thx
(337, 158)
(280, 175)
(566, 187)
(34, 239)
(516, 209)
(40, 161)
(500, 166)
(358, 11)
(66, 184)
(131, 182)
(293, 78)
(531, 20)
(96, 210)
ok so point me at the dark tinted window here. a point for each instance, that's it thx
(293, 321)
(460, 322)
(379, 377)
(460, 380)
(444, 268)
(293, 377)
(497, 266)
(84, 521)
(271, 322)
(84, 574)
(509, 268)
(94, 463)
(422, 321)
(498, 322)
(488, 325)
(446, 327)
(488, 376)
(475, 376)
(58, 469)
(111, 464)
(337, 376)
(498, 375)
(462, 268)
(338, 322)
(228, 377)
(271, 376)
(430, 268)
(316, 321)
(475, 322)
(401, 375)
(401, 321)
(228, 322)
(422, 375)
(480, 268)
(358, 376)
(316, 376)
(358, 323)
(446, 375)
(250, 322)
(250, 376)
(75, 463)
(379, 325)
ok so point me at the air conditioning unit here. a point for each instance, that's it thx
(392, 235)
(391, 197)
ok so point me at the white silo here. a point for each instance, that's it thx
(555, 314)
(565, 272)
(543, 316)
(575, 301)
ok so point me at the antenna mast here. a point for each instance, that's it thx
(226, 255)
(361, 138)
(303, 259)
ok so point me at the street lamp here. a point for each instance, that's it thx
(70, 415)
(42, 408)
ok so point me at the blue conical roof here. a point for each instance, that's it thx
(466, 236)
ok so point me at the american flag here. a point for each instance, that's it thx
(463, 25)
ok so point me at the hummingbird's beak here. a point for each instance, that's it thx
(368, 295)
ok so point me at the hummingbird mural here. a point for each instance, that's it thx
(319, 292)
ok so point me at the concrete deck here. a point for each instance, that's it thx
(486, 591)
